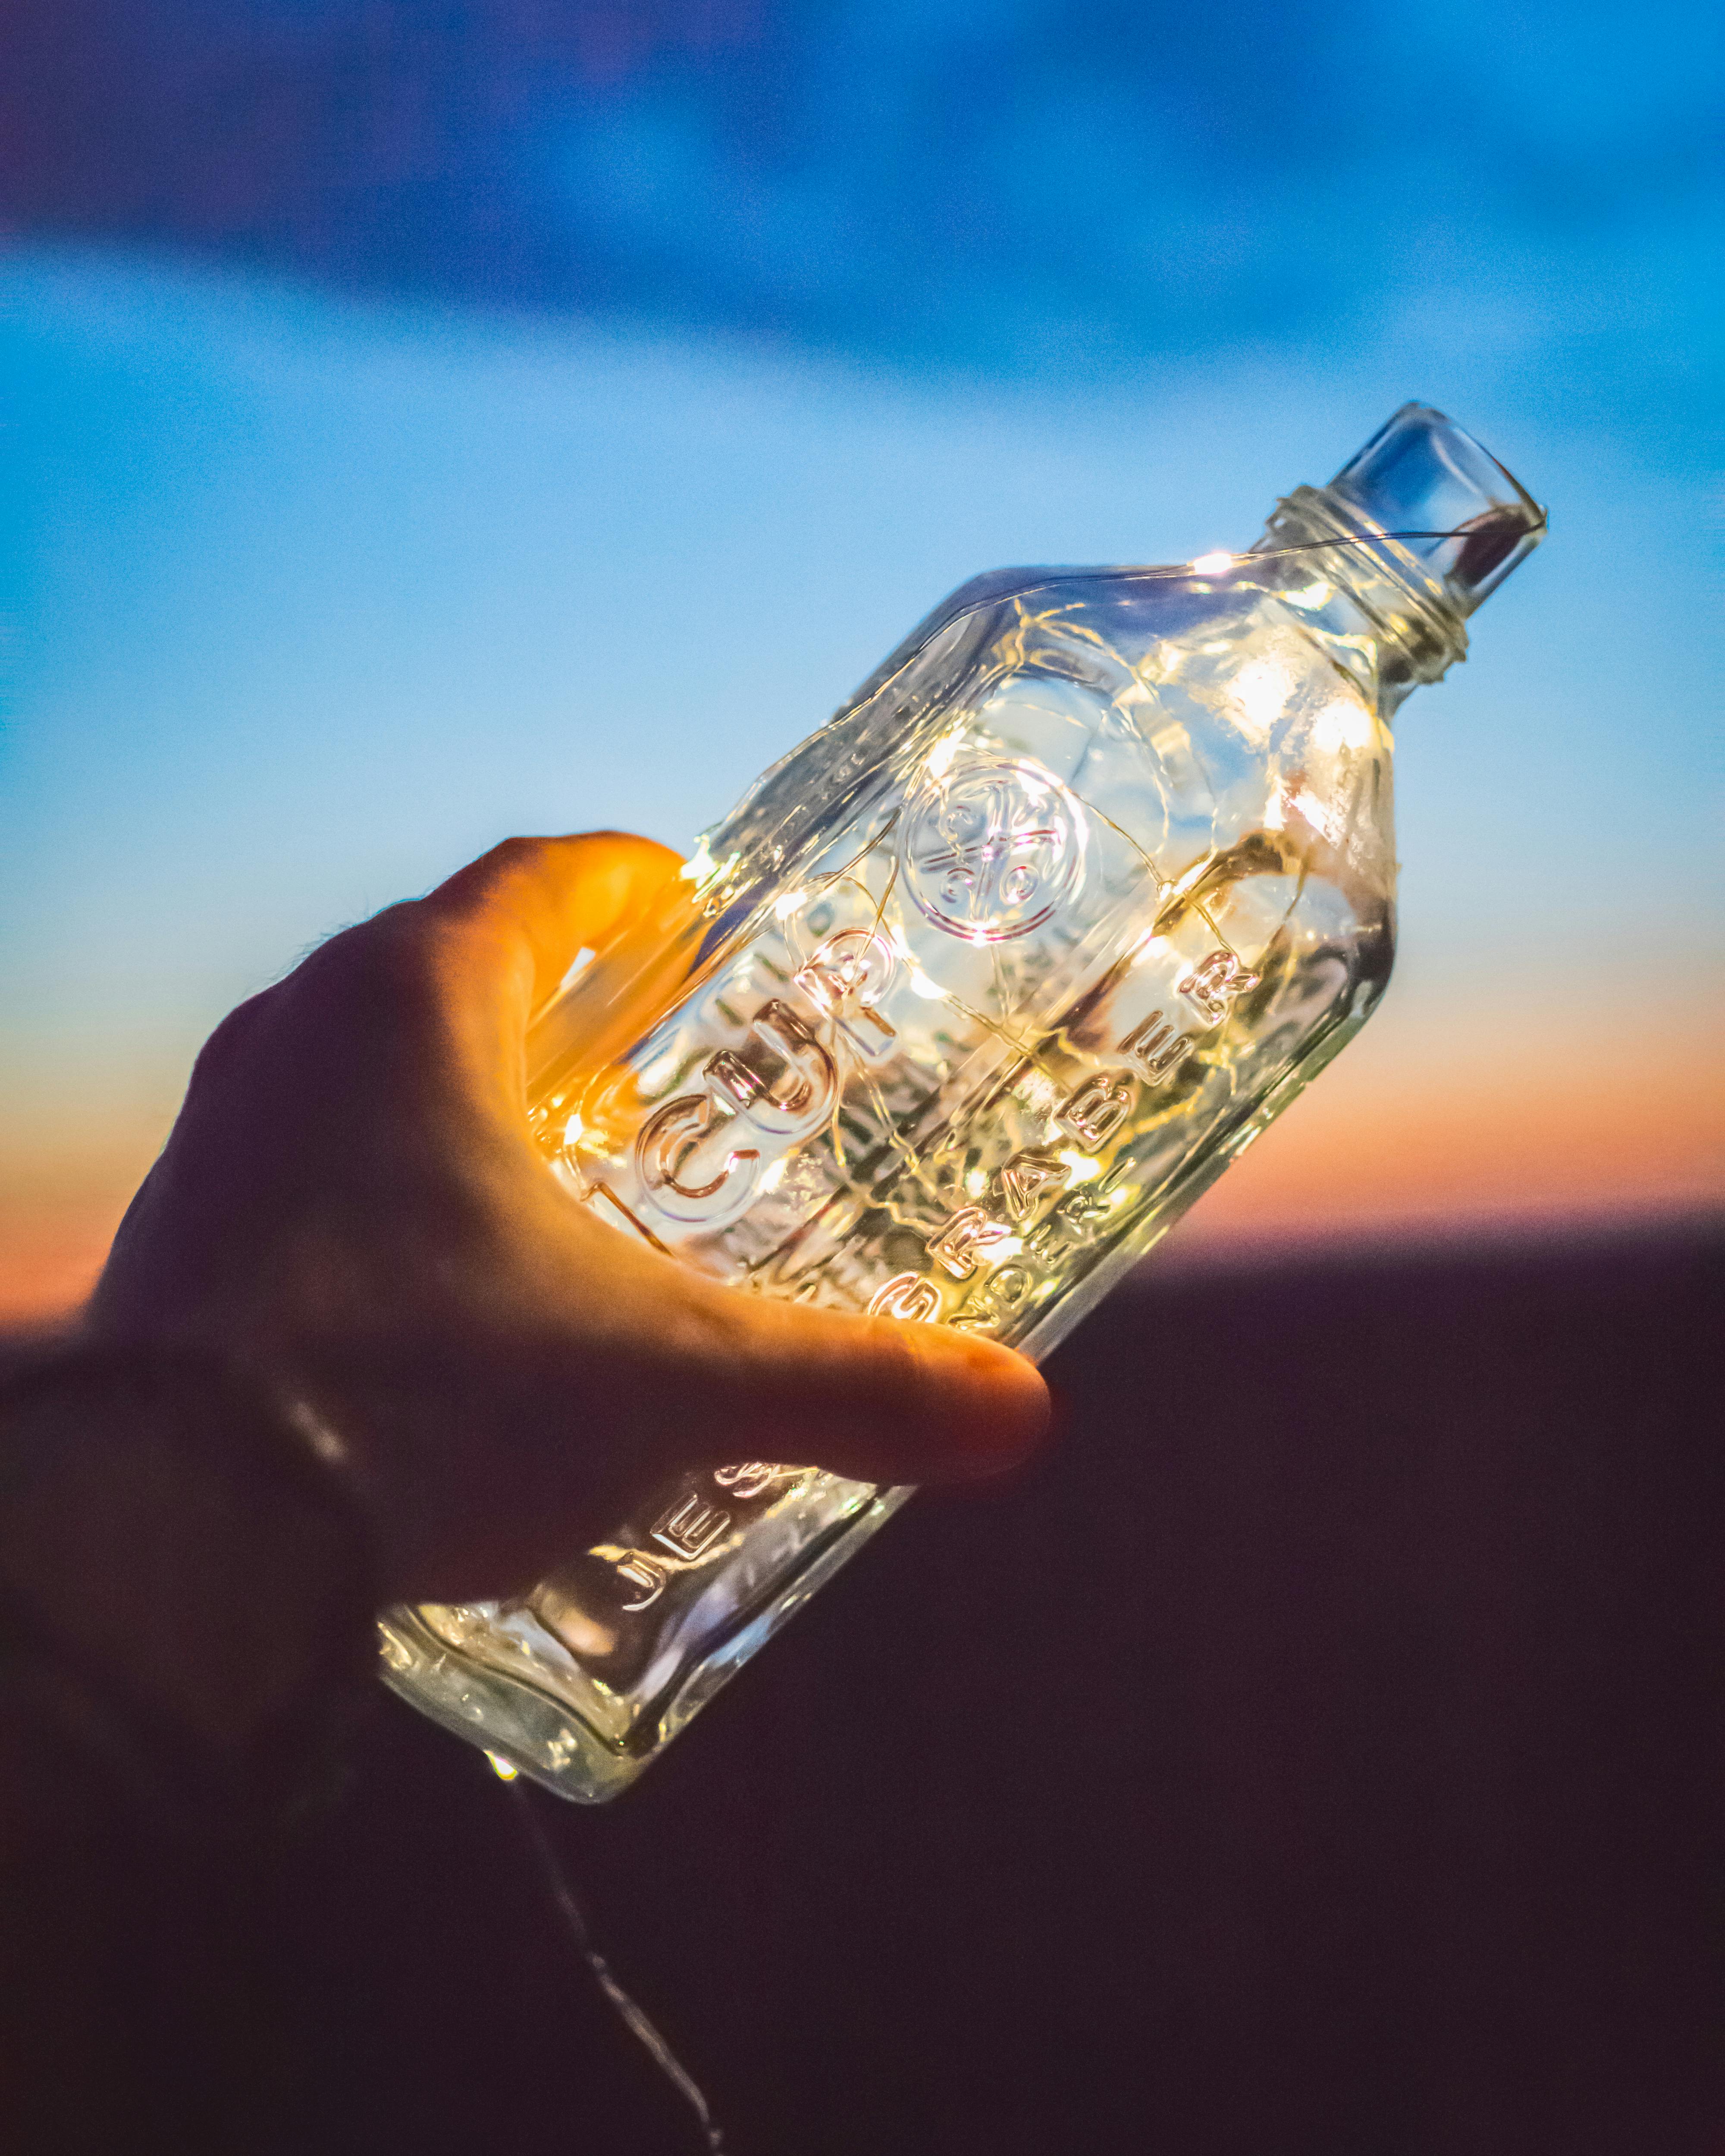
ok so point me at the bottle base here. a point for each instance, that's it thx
(544, 1720)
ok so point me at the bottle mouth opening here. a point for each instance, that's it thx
(1424, 485)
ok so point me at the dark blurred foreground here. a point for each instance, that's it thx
(1321, 1752)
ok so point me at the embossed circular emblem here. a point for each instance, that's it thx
(991, 847)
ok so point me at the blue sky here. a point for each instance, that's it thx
(331, 566)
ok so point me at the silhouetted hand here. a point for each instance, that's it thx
(351, 1207)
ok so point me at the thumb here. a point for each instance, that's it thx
(554, 896)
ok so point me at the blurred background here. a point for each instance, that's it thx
(426, 421)
(431, 421)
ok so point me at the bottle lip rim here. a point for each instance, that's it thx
(1417, 408)
(1508, 514)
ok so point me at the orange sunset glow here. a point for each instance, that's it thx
(1399, 1136)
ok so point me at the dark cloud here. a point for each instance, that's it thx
(989, 180)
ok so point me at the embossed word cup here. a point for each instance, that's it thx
(964, 1005)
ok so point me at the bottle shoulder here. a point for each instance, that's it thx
(1235, 663)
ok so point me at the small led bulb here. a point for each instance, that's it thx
(1213, 565)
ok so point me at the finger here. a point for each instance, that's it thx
(560, 896)
(872, 1397)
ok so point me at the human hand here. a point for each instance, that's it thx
(351, 1209)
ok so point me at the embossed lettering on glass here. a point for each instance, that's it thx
(961, 1008)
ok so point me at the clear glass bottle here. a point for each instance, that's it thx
(964, 1004)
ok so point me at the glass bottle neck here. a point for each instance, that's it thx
(1415, 531)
